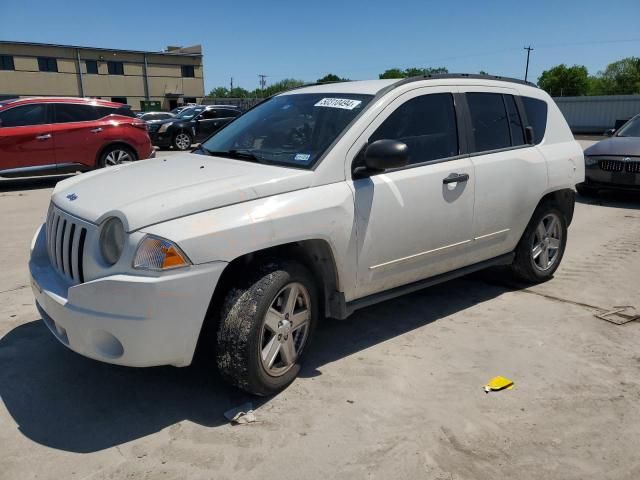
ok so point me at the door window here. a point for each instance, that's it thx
(68, 112)
(490, 125)
(426, 124)
(208, 115)
(34, 114)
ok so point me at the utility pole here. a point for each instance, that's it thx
(231, 85)
(263, 81)
(526, 72)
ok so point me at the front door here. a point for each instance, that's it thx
(206, 123)
(26, 143)
(414, 222)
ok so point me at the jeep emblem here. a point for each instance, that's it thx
(72, 196)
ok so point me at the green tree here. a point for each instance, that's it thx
(482, 72)
(565, 81)
(412, 72)
(392, 73)
(621, 77)
(219, 92)
(330, 77)
(282, 85)
(239, 92)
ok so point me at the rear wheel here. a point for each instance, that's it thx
(182, 141)
(116, 155)
(265, 326)
(542, 245)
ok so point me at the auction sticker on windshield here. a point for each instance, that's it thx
(344, 103)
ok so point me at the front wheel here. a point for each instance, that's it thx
(182, 141)
(265, 326)
(540, 250)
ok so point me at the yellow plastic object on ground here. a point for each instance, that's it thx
(498, 383)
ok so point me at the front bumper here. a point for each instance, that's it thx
(598, 178)
(125, 319)
(161, 139)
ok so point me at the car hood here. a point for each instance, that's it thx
(152, 191)
(618, 146)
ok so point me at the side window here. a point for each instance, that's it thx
(426, 124)
(124, 110)
(208, 114)
(68, 112)
(104, 111)
(188, 71)
(228, 113)
(35, 114)
(536, 111)
(515, 124)
(489, 122)
(6, 62)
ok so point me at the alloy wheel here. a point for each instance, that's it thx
(183, 141)
(285, 329)
(547, 240)
(116, 157)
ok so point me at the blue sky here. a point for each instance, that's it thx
(355, 39)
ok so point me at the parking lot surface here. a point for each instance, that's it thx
(393, 392)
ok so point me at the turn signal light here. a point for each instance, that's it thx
(155, 253)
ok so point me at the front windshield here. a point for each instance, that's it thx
(189, 113)
(631, 128)
(292, 129)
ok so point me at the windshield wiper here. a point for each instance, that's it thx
(240, 154)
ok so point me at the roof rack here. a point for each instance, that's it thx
(444, 76)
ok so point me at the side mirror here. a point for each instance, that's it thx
(529, 135)
(385, 154)
(608, 133)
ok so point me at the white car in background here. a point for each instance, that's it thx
(315, 203)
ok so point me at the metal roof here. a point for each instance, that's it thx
(35, 44)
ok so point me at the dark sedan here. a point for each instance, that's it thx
(614, 163)
(191, 125)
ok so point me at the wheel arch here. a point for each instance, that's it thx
(120, 143)
(564, 199)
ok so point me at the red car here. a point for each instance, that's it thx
(42, 136)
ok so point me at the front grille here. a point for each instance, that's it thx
(65, 244)
(633, 167)
(611, 165)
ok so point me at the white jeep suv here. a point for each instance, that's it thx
(315, 203)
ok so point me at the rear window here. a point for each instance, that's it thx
(536, 111)
(490, 124)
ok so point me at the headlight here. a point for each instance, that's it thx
(155, 253)
(589, 161)
(163, 128)
(112, 240)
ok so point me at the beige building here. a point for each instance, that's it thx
(172, 77)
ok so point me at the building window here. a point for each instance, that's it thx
(119, 99)
(6, 62)
(92, 66)
(47, 64)
(188, 71)
(115, 68)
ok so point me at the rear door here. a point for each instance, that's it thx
(511, 176)
(26, 142)
(78, 135)
(415, 222)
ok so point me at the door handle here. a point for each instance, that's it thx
(45, 136)
(96, 130)
(455, 178)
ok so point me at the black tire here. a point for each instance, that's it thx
(179, 144)
(586, 191)
(111, 155)
(242, 323)
(524, 266)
